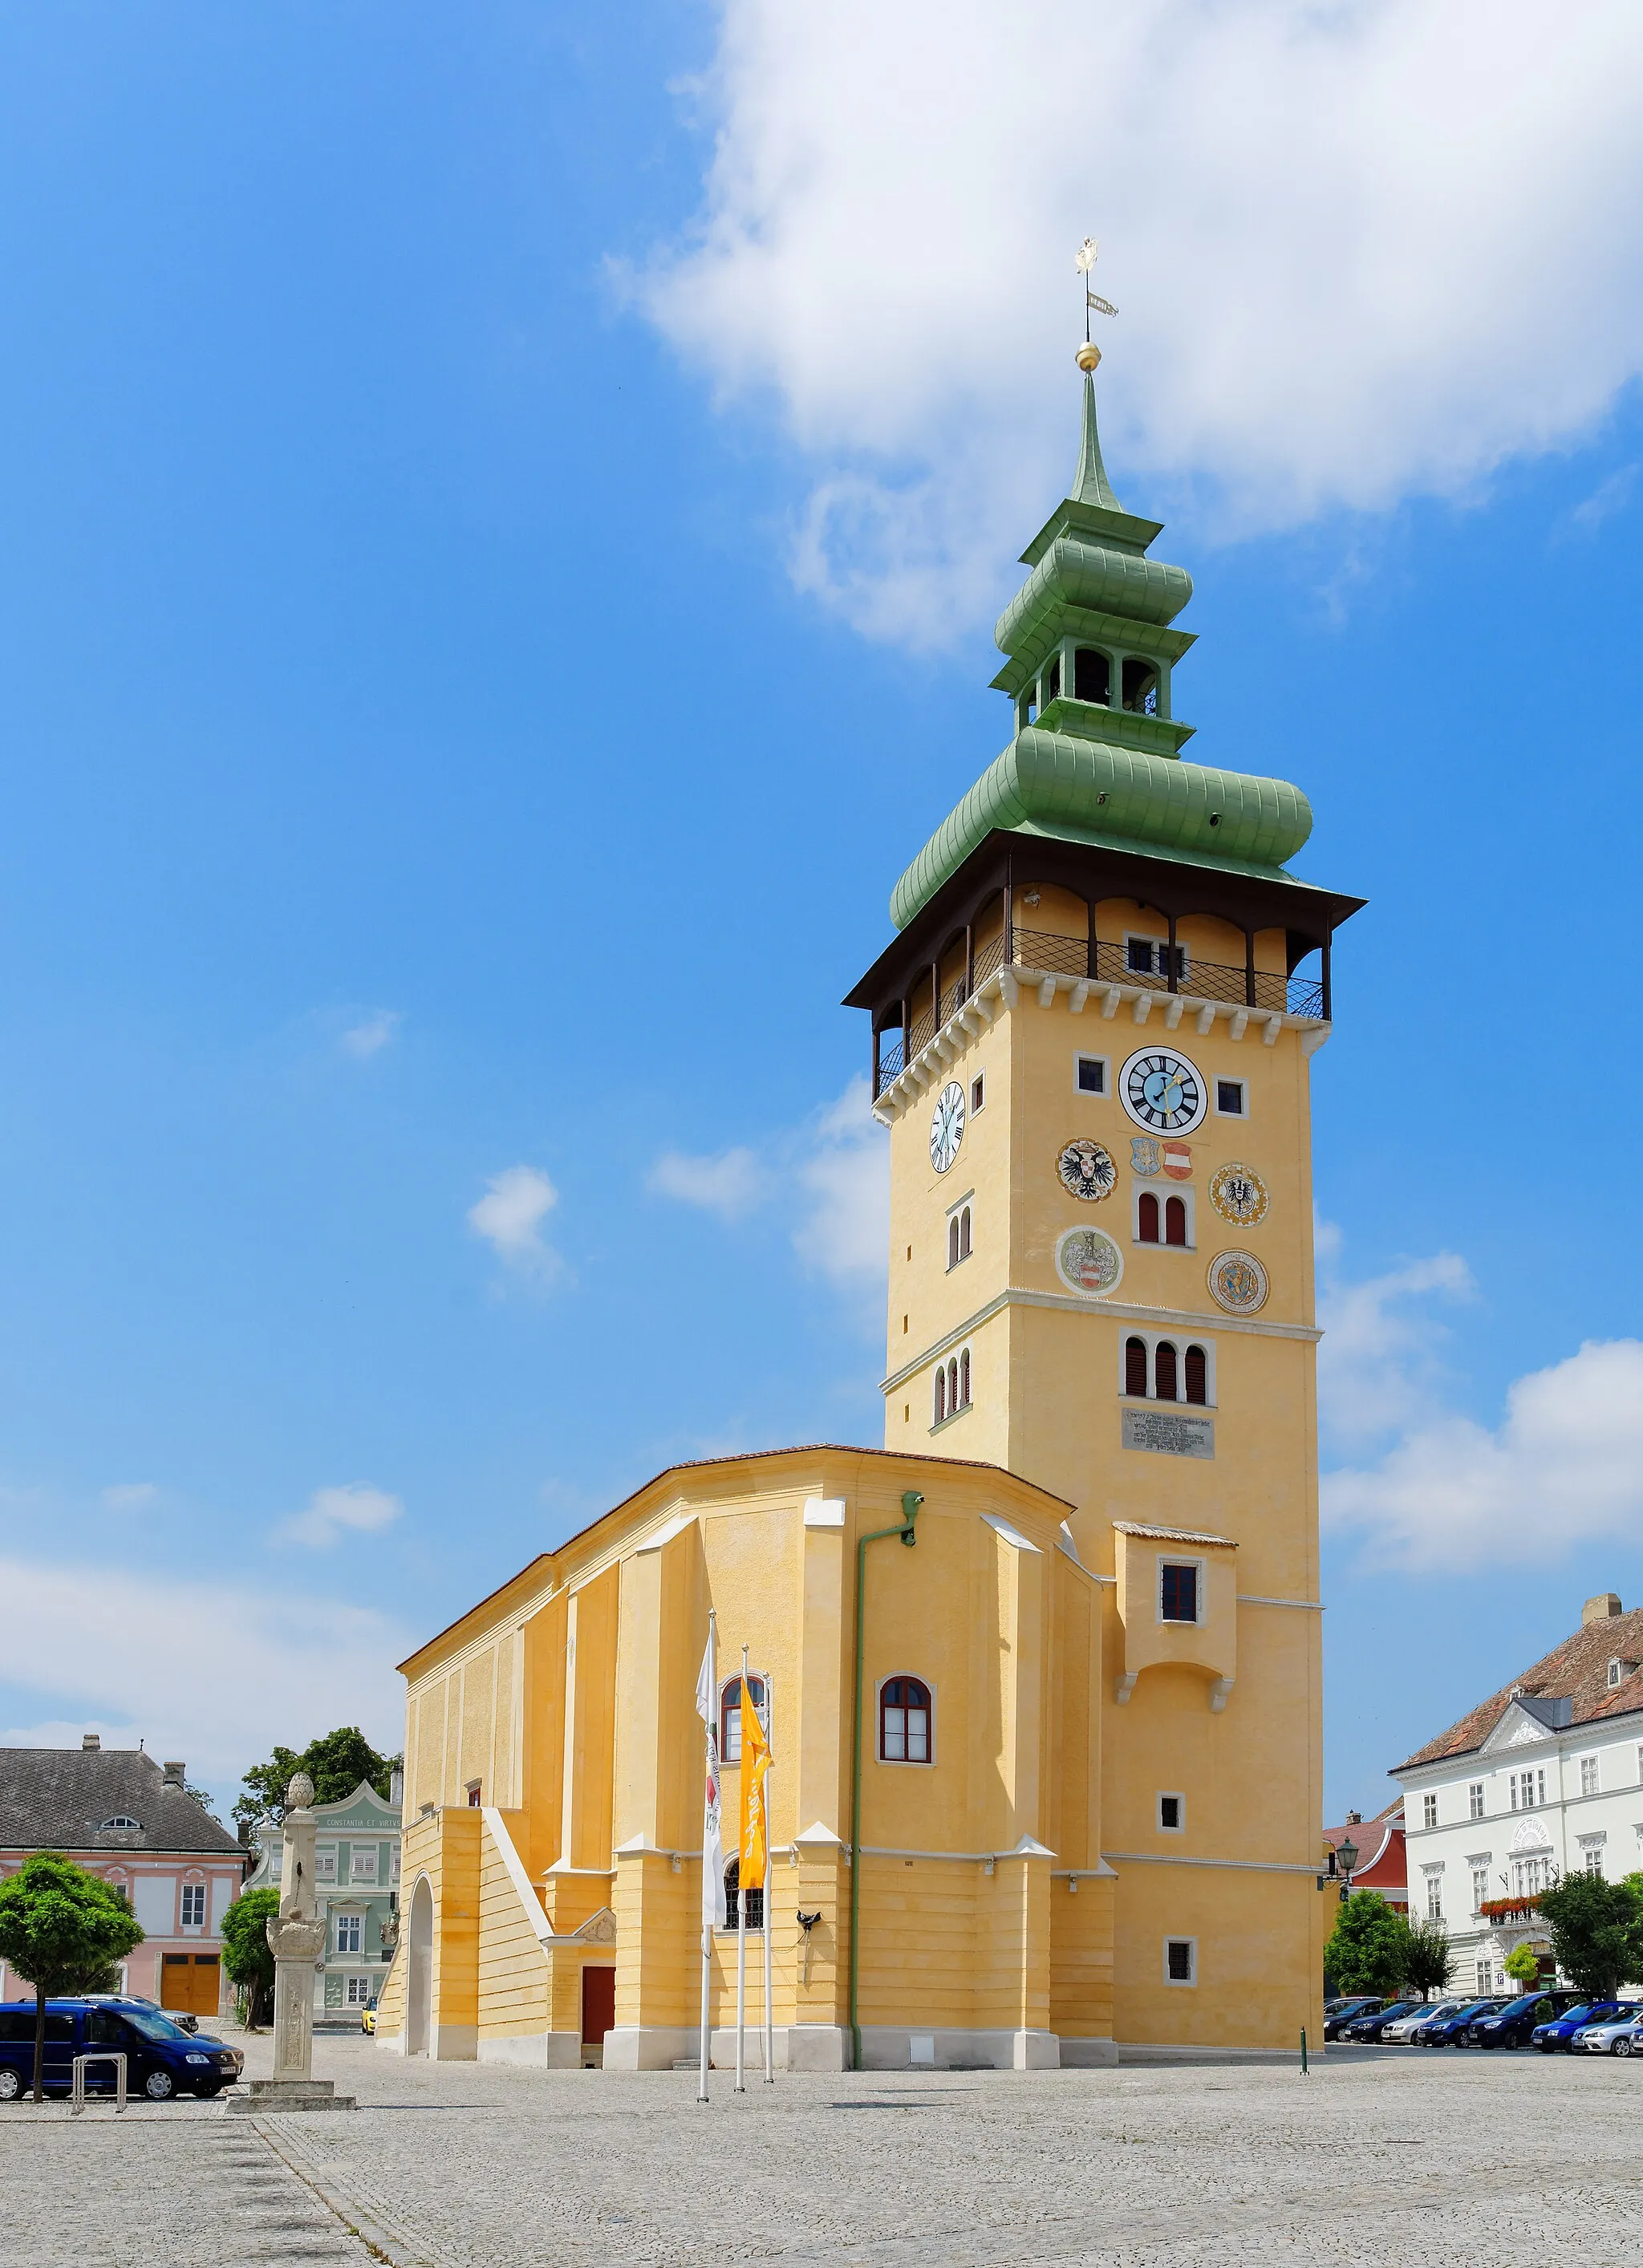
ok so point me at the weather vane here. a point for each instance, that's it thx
(1084, 261)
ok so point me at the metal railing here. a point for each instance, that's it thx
(1262, 990)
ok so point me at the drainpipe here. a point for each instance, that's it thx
(910, 1502)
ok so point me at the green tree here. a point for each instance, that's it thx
(1367, 1946)
(1428, 1963)
(65, 1930)
(1523, 1966)
(335, 1763)
(1596, 1931)
(246, 1955)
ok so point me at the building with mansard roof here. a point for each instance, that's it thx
(1543, 1779)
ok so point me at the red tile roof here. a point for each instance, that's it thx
(1576, 1671)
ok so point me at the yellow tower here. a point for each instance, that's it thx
(1091, 1047)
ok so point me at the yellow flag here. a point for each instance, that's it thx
(755, 1763)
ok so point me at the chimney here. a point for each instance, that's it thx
(1355, 1819)
(244, 1830)
(1603, 1609)
(91, 1739)
(176, 1774)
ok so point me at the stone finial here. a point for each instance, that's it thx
(1603, 1609)
(300, 1794)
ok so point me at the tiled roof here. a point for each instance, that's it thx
(57, 1799)
(1576, 1671)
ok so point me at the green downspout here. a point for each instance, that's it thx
(910, 1502)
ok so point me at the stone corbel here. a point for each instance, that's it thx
(1172, 1014)
(1110, 1005)
(1123, 1686)
(1079, 995)
(1142, 1008)
(1219, 1691)
(1235, 1029)
(1206, 1019)
(1274, 1026)
(1046, 993)
(1009, 990)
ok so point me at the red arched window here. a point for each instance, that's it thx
(904, 1721)
(1147, 1217)
(1135, 1365)
(953, 1242)
(964, 1240)
(939, 1406)
(1176, 1221)
(1164, 1370)
(964, 1380)
(1197, 1375)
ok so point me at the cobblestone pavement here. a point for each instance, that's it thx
(1410, 2156)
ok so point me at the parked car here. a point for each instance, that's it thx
(1511, 2026)
(1346, 2012)
(161, 2060)
(1621, 2036)
(1401, 2030)
(368, 2022)
(1445, 2031)
(1373, 2026)
(1558, 2036)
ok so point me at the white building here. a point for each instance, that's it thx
(1544, 1779)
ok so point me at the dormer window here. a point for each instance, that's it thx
(1619, 1671)
(122, 1820)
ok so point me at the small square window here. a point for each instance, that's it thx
(1170, 1814)
(1232, 1098)
(1089, 1075)
(1177, 1593)
(1138, 953)
(1180, 1961)
(977, 1093)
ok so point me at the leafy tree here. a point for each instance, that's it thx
(65, 1930)
(335, 1763)
(1596, 1931)
(1367, 1946)
(1522, 1965)
(246, 1954)
(1428, 1963)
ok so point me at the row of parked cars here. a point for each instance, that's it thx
(1555, 2022)
(162, 2059)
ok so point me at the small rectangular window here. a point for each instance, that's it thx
(193, 1904)
(347, 1928)
(1480, 1885)
(1232, 1098)
(325, 1866)
(977, 1093)
(1429, 1811)
(1170, 1814)
(1435, 1897)
(1137, 954)
(475, 1795)
(1595, 1861)
(1180, 1961)
(1588, 1775)
(1178, 1592)
(1090, 1075)
(1475, 1799)
(358, 1992)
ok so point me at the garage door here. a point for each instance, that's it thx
(190, 1983)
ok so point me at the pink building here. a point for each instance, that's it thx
(121, 1814)
(1379, 1843)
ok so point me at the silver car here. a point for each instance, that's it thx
(1396, 2033)
(1621, 2036)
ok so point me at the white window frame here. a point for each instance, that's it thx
(1590, 1776)
(362, 1863)
(1479, 1871)
(1181, 1341)
(325, 1865)
(1101, 1094)
(1172, 1795)
(1486, 1976)
(955, 1212)
(1160, 945)
(356, 1991)
(962, 1358)
(903, 1764)
(1179, 1559)
(193, 1895)
(979, 1093)
(1218, 1079)
(759, 1677)
(1429, 1810)
(1475, 1799)
(1434, 1890)
(355, 1925)
(1163, 1189)
(1190, 1979)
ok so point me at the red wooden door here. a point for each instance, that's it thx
(599, 2004)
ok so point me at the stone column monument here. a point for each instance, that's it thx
(297, 1940)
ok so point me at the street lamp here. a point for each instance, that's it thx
(1346, 1860)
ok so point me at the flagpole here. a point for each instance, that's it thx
(707, 1861)
(741, 1896)
(770, 1884)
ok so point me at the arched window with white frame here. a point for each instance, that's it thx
(950, 1389)
(1154, 1366)
(730, 1715)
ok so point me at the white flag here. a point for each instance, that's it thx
(713, 1907)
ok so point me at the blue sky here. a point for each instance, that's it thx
(473, 660)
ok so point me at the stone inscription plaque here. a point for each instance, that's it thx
(1169, 1436)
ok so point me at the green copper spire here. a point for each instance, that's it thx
(1096, 757)
(1090, 483)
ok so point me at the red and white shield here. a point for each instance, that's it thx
(1176, 1161)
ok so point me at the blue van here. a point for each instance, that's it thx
(161, 2058)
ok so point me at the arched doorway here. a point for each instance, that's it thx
(419, 1976)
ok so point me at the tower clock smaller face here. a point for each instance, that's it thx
(1162, 1092)
(947, 1128)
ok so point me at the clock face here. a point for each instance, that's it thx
(1162, 1092)
(1238, 1194)
(1086, 1171)
(947, 1128)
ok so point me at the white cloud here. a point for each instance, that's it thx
(128, 1495)
(1609, 496)
(1381, 1358)
(1564, 1466)
(510, 1214)
(332, 1512)
(1363, 250)
(370, 1037)
(845, 1236)
(732, 1183)
(262, 1665)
